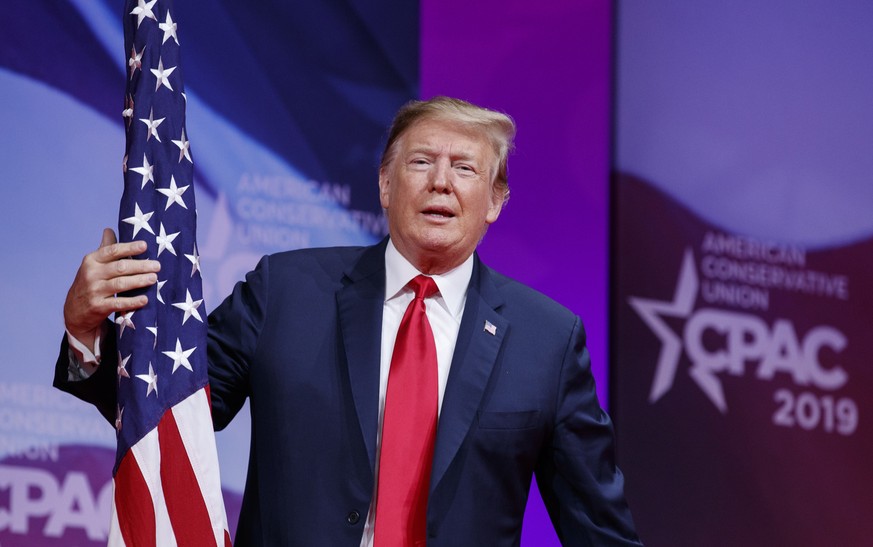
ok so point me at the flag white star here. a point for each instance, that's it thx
(124, 320)
(174, 194)
(127, 113)
(135, 61)
(195, 261)
(122, 367)
(180, 356)
(147, 171)
(118, 413)
(184, 146)
(165, 242)
(169, 28)
(152, 125)
(154, 331)
(189, 306)
(161, 286)
(162, 75)
(139, 220)
(151, 379)
(142, 10)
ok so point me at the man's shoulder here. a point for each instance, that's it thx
(524, 301)
(334, 260)
(317, 254)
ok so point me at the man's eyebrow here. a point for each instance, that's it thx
(424, 149)
(465, 154)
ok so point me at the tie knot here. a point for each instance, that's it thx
(423, 286)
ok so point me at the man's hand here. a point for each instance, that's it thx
(104, 273)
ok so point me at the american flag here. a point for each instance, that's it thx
(166, 479)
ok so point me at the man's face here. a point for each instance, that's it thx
(438, 194)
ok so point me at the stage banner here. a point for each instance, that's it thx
(741, 381)
(287, 109)
(742, 278)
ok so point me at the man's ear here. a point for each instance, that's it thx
(496, 205)
(384, 183)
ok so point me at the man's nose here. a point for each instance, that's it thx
(441, 177)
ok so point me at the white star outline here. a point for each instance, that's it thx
(139, 220)
(195, 261)
(142, 10)
(650, 311)
(169, 27)
(135, 61)
(147, 171)
(189, 306)
(154, 331)
(152, 125)
(184, 146)
(180, 356)
(165, 241)
(151, 379)
(124, 320)
(174, 193)
(162, 75)
(122, 367)
(127, 113)
(161, 286)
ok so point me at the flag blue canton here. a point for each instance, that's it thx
(162, 347)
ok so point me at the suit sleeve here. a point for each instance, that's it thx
(233, 333)
(234, 330)
(580, 484)
(100, 388)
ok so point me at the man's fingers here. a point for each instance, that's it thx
(126, 283)
(115, 251)
(132, 267)
(121, 304)
(104, 273)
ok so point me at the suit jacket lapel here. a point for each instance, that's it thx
(475, 354)
(359, 306)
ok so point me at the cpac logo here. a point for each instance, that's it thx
(35, 493)
(747, 338)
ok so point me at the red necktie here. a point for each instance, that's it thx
(409, 427)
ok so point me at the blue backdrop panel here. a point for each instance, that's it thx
(287, 108)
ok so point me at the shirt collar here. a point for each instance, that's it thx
(452, 284)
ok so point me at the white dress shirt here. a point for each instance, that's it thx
(444, 312)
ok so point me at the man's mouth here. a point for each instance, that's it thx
(439, 212)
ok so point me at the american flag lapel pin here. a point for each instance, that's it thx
(490, 328)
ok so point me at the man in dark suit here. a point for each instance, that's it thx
(311, 336)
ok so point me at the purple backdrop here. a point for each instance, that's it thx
(547, 65)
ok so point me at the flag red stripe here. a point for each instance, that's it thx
(184, 499)
(134, 505)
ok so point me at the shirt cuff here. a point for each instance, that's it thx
(83, 360)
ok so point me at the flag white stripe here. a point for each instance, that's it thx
(148, 456)
(114, 539)
(192, 415)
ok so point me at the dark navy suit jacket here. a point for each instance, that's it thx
(301, 339)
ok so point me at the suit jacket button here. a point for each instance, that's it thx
(353, 517)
